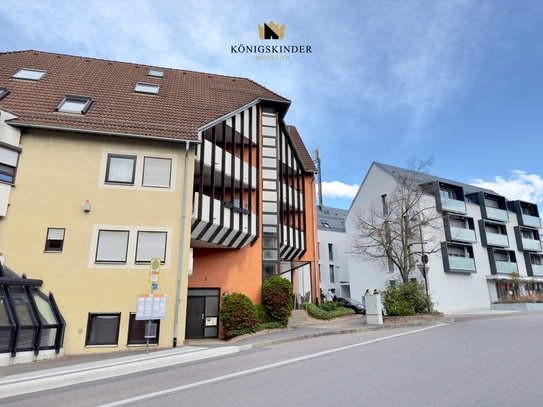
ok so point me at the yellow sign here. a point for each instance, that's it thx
(154, 271)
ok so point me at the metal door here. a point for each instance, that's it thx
(195, 317)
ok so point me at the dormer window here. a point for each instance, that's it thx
(156, 72)
(3, 92)
(75, 104)
(30, 74)
(149, 88)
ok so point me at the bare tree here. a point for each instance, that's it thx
(401, 230)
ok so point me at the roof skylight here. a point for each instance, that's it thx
(156, 72)
(30, 74)
(326, 225)
(75, 104)
(3, 92)
(150, 88)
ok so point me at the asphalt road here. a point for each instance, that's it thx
(479, 362)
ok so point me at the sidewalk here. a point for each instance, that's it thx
(68, 370)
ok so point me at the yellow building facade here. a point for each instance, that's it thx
(62, 172)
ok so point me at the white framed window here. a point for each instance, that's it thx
(30, 74)
(149, 88)
(157, 172)
(55, 240)
(75, 104)
(112, 246)
(121, 169)
(151, 245)
(156, 73)
(9, 157)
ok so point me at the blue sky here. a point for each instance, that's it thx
(386, 81)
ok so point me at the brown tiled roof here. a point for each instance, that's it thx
(186, 101)
(304, 155)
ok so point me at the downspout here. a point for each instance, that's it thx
(315, 226)
(181, 245)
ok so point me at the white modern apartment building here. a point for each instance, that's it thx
(483, 237)
(333, 246)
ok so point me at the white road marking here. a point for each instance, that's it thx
(256, 369)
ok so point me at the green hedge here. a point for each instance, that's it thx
(327, 310)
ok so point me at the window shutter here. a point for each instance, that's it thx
(156, 172)
(8, 157)
(55, 234)
(112, 245)
(151, 245)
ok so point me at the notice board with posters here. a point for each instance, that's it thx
(151, 306)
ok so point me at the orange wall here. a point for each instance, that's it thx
(230, 270)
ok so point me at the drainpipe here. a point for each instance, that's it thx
(181, 245)
(315, 232)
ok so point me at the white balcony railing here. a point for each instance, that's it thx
(464, 235)
(506, 267)
(208, 148)
(462, 263)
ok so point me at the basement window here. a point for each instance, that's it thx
(29, 74)
(149, 88)
(75, 104)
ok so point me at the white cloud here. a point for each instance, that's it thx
(520, 185)
(336, 189)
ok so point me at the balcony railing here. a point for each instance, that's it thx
(462, 234)
(537, 269)
(532, 221)
(497, 214)
(227, 227)
(452, 205)
(227, 161)
(506, 267)
(462, 263)
(531, 244)
(495, 239)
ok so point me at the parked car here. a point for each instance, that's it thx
(355, 305)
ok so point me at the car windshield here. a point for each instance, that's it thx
(353, 301)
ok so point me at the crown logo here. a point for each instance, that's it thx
(271, 31)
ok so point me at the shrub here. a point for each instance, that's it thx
(262, 316)
(238, 315)
(406, 299)
(277, 299)
(327, 310)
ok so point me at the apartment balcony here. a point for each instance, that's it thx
(531, 221)
(495, 239)
(531, 245)
(453, 205)
(236, 225)
(462, 264)
(497, 214)
(463, 235)
(293, 197)
(292, 244)
(537, 269)
(218, 164)
(506, 267)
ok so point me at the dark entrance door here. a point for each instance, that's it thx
(195, 317)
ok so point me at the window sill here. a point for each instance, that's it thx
(102, 346)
